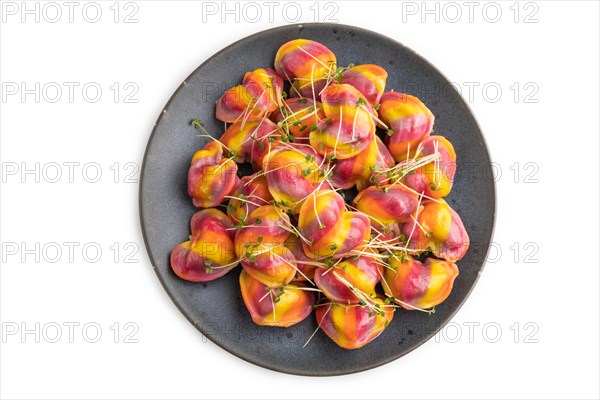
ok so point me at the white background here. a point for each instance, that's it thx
(540, 294)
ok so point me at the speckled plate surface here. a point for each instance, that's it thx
(216, 308)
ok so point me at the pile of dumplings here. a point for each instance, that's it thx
(301, 246)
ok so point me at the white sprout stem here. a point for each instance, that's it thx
(316, 212)
(300, 112)
(354, 121)
(318, 326)
(245, 119)
(245, 110)
(360, 295)
(244, 200)
(222, 164)
(338, 134)
(307, 289)
(419, 194)
(290, 228)
(226, 265)
(259, 174)
(295, 267)
(312, 84)
(417, 216)
(265, 296)
(380, 122)
(420, 226)
(315, 58)
(208, 135)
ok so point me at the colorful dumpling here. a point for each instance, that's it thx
(417, 285)
(305, 63)
(353, 326)
(264, 225)
(265, 80)
(209, 254)
(349, 281)
(272, 265)
(260, 246)
(438, 228)
(361, 169)
(293, 173)
(369, 79)
(409, 121)
(251, 193)
(249, 141)
(350, 125)
(435, 178)
(331, 230)
(211, 177)
(287, 224)
(387, 204)
(281, 307)
(258, 95)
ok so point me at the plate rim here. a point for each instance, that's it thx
(291, 371)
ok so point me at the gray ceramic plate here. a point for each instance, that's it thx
(216, 308)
